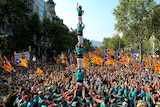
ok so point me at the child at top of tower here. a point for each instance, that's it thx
(80, 28)
(80, 13)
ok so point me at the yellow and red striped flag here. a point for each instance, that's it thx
(109, 51)
(111, 61)
(22, 62)
(6, 65)
(157, 66)
(86, 62)
(96, 59)
(137, 66)
(39, 71)
(147, 63)
(124, 60)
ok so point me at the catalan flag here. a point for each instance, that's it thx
(147, 63)
(22, 62)
(137, 66)
(39, 71)
(157, 66)
(64, 59)
(6, 65)
(86, 62)
(124, 60)
(96, 59)
(111, 61)
(109, 51)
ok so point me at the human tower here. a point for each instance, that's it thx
(80, 71)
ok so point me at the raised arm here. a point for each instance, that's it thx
(77, 6)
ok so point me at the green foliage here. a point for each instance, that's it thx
(34, 24)
(147, 47)
(13, 11)
(156, 21)
(88, 45)
(115, 43)
(134, 19)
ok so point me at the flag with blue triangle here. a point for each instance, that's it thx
(6, 65)
(22, 62)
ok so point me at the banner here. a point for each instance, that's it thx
(20, 55)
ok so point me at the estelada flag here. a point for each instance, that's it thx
(6, 65)
(109, 51)
(39, 71)
(124, 60)
(22, 62)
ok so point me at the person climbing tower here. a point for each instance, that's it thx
(80, 13)
(80, 28)
(79, 51)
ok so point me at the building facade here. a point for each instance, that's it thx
(38, 7)
(50, 12)
(43, 10)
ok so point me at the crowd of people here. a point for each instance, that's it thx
(94, 86)
(104, 87)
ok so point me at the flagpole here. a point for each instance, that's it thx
(104, 53)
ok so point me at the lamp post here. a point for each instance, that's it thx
(120, 36)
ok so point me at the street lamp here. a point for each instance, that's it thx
(120, 35)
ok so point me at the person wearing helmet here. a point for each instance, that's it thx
(80, 13)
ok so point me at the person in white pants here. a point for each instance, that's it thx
(80, 13)
(80, 28)
(79, 51)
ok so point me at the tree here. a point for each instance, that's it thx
(134, 17)
(13, 11)
(21, 35)
(34, 25)
(115, 43)
(13, 15)
(88, 45)
(55, 36)
(156, 21)
(72, 39)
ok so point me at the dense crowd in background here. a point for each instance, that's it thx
(54, 85)
(105, 86)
